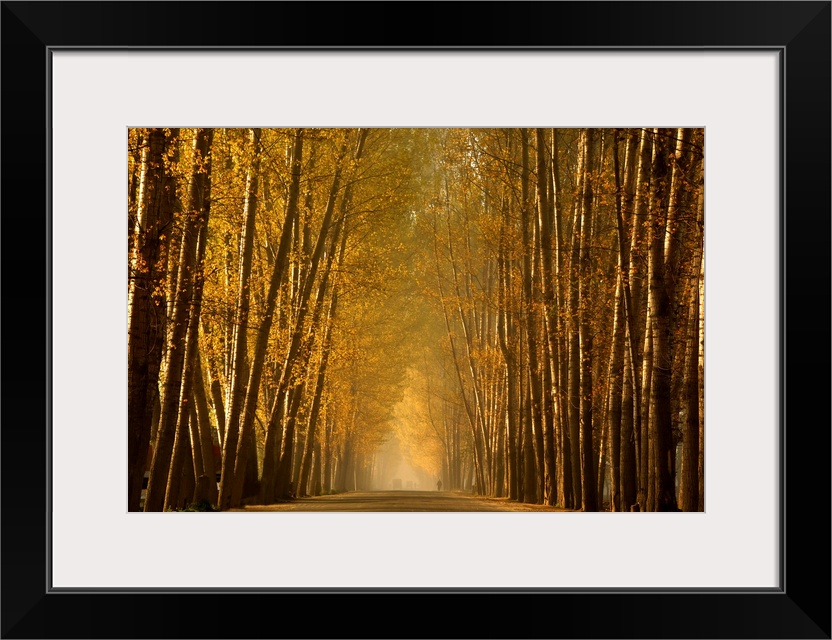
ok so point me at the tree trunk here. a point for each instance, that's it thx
(190, 286)
(505, 332)
(620, 409)
(689, 495)
(246, 424)
(691, 498)
(590, 497)
(645, 472)
(326, 345)
(574, 379)
(146, 320)
(627, 483)
(469, 411)
(545, 214)
(239, 349)
(557, 332)
(535, 407)
(660, 401)
(327, 454)
(530, 484)
(616, 375)
(206, 430)
(276, 473)
(177, 348)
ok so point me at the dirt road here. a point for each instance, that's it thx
(400, 501)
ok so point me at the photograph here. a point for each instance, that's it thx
(416, 319)
(430, 309)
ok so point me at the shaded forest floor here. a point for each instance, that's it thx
(401, 501)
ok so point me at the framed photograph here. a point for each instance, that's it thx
(747, 82)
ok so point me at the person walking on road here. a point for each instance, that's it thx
(439, 485)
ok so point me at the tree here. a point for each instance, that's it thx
(146, 303)
(239, 347)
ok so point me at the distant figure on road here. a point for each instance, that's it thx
(439, 485)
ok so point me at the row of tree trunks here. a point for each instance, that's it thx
(146, 312)
(564, 270)
(174, 415)
(596, 313)
(239, 342)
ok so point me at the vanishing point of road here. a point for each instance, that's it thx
(400, 501)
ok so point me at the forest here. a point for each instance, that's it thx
(518, 313)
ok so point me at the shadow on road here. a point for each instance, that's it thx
(400, 502)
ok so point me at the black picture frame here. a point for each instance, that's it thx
(800, 608)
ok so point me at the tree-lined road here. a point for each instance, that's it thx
(334, 309)
(400, 501)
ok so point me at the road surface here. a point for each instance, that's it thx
(400, 501)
